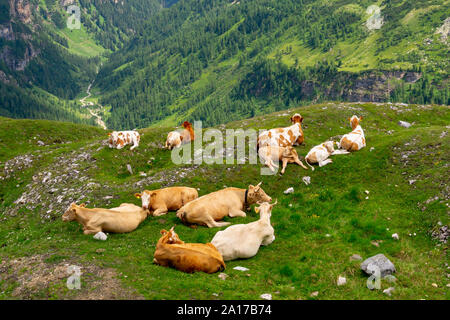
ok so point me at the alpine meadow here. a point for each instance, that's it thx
(224, 150)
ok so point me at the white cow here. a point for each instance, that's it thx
(243, 240)
(320, 153)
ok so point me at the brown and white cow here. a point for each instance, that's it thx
(354, 140)
(271, 154)
(171, 251)
(210, 208)
(119, 139)
(320, 153)
(242, 241)
(283, 137)
(175, 138)
(160, 201)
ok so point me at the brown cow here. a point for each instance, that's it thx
(160, 201)
(175, 139)
(210, 208)
(171, 251)
(271, 154)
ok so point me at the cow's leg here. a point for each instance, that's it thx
(134, 146)
(236, 213)
(212, 224)
(325, 162)
(160, 211)
(300, 163)
(90, 230)
(285, 162)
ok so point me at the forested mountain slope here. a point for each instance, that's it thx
(45, 66)
(222, 60)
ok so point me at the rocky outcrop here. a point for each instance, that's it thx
(444, 31)
(21, 10)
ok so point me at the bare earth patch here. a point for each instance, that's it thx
(34, 278)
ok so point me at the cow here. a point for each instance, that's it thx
(175, 139)
(125, 218)
(160, 201)
(271, 154)
(354, 140)
(119, 139)
(242, 241)
(210, 208)
(171, 251)
(320, 153)
(283, 137)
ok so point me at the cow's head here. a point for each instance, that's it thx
(71, 211)
(329, 145)
(265, 208)
(188, 126)
(296, 118)
(145, 196)
(170, 237)
(256, 194)
(354, 121)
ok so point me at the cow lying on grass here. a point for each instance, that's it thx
(354, 140)
(187, 257)
(160, 201)
(271, 154)
(210, 208)
(243, 240)
(125, 218)
(175, 139)
(119, 139)
(283, 137)
(320, 153)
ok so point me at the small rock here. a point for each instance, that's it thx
(371, 149)
(395, 236)
(306, 180)
(223, 276)
(341, 281)
(40, 143)
(129, 169)
(355, 257)
(404, 124)
(314, 294)
(266, 296)
(289, 190)
(215, 294)
(434, 285)
(389, 291)
(367, 192)
(240, 268)
(100, 236)
(101, 250)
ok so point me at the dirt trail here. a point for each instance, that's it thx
(99, 119)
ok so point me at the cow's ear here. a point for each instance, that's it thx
(163, 231)
(83, 205)
(181, 138)
(360, 118)
(301, 119)
(109, 134)
(138, 195)
(349, 119)
(257, 209)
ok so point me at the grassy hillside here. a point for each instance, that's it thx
(317, 228)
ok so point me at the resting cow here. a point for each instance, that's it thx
(271, 154)
(354, 140)
(210, 208)
(242, 241)
(175, 139)
(119, 139)
(187, 257)
(283, 137)
(160, 201)
(320, 153)
(125, 218)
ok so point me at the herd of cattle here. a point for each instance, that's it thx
(237, 241)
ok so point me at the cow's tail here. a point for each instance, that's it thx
(211, 223)
(307, 162)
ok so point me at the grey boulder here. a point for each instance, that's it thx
(379, 261)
